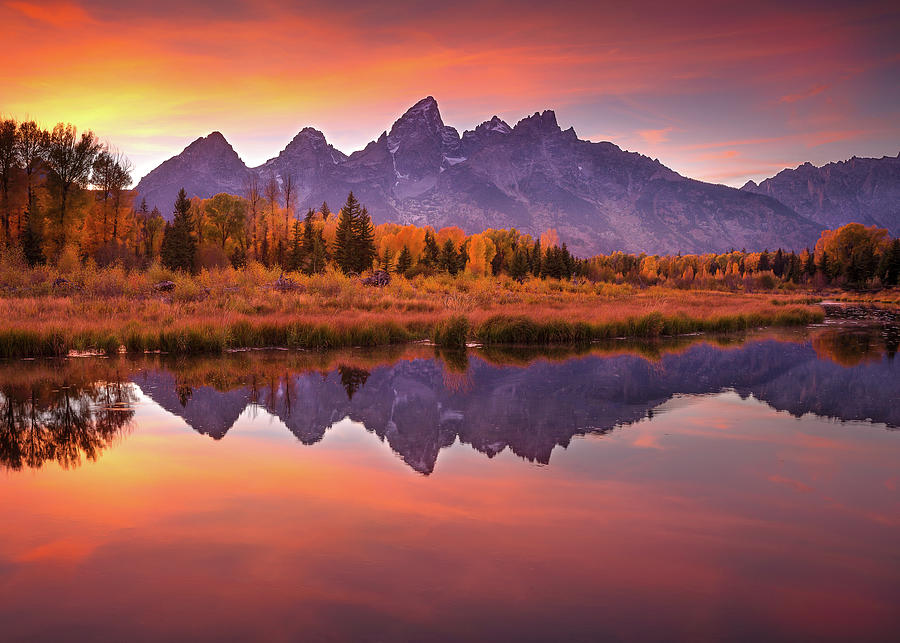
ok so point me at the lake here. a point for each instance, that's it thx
(737, 488)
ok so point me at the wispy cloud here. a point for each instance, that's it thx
(809, 93)
(656, 136)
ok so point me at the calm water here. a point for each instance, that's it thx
(739, 489)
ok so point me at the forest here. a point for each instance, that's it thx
(65, 201)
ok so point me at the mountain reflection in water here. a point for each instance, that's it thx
(697, 506)
(419, 402)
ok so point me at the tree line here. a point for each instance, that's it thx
(63, 193)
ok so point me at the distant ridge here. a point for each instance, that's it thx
(861, 190)
(531, 176)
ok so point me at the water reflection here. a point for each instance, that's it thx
(61, 420)
(420, 402)
(716, 519)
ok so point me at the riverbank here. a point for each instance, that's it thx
(213, 313)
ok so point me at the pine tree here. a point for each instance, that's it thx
(344, 236)
(778, 264)
(326, 211)
(431, 253)
(520, 265)
(448, 261)
(303, 242)
(763, 262)
(386, 259)
(404, 261)
(178, 246)
(567, 262)
(536, 258)
(295, 253)
(364, 252)
(810, 267)
(31, 241)
(825, 267)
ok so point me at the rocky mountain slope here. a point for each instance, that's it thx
(861, 190)
(531, 176)
(204, 168)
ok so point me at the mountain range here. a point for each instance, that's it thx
(533, 176)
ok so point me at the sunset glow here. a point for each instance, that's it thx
(718, 93)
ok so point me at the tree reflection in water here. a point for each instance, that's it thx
(62, 422)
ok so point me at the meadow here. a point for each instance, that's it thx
(60, 310)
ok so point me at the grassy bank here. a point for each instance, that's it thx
(111, 310)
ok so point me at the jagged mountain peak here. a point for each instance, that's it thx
(422, 118)
(309, 138)
(424, 106)
(496, 124)
(212, 142)
(308, 134)
(540, 121)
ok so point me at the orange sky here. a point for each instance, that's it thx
(718, 93)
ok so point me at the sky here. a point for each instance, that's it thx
(719, 91)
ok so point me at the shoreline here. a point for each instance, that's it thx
(110, 337)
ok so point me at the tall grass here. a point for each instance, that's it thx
(110, 309)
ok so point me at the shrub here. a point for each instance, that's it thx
(452, 332)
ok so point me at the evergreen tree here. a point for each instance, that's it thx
(404, 261)
(431, 253)
(778, 264)
(344, 236)
(31, 241)
(178, 246)
(386, 259)
(551, 265)
(449, 260)
(763, 261)
(520, 266)
(536, 258)
(810, 267)
(825, 266)
(567, 262)
(295, 253)
(364, 252)
(326, 211)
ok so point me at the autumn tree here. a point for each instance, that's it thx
(287, 188)
(226, 214)
(70, 158)
(101, 178)
(8, 158)
(254, 196)
(120, 179)
(31, 149)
